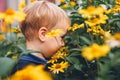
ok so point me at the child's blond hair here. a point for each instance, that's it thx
(42, 14)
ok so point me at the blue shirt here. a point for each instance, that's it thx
(27, 60)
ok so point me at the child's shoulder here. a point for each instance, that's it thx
(33, 59)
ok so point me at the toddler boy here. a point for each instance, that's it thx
(41, 18)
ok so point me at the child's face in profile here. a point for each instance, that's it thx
(54, 43)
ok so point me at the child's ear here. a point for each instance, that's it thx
(42, 31)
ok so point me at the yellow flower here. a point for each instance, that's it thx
(91, 10)
(3, 27)
(65, 48)
(95, 51)
(15, 56)
(60, 54)
(109, 11)
(22, 5)
(54, 33)
(95, 29)
(19, 16)
(117, 1)
(1, 15)
(72, 3)
(13, 30)
(9, 29)
(58, 67)
(102, 31)
(2, 37)
(117, 36)
(9, 11)
(107, 35)
(9, 53)
(31, 73)
(33, 0)
(76, 26)
(101, 19)
(115, 9)
(53, 59)
(10, 15)
(64, 6)
(61, 1)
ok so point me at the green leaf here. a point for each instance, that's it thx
(6, 65)
(74, 50)
(11, 37)
(118, 24)
(73, 60)
(104, 69)
(5, 48)
(22, 47)
(111, 21)
(85, 40)
(78, 66)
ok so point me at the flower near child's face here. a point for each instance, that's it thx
(95, 51)
(31, 73)
(53, 59)
(58, 67)
(60, 54)
(54, 33)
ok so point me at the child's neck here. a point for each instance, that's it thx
(38, 55)
(33, 45)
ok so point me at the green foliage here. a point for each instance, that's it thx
(12, 47)
(7, 67)
(104, 68)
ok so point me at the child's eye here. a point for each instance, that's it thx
(63, 37)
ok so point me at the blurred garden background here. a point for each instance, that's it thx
(92, 49)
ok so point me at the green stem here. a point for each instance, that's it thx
(91, 37)
(98, 67)
(87, 63)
